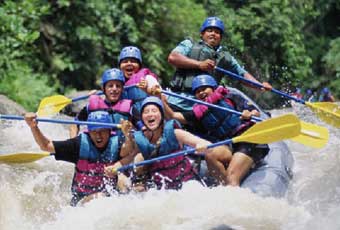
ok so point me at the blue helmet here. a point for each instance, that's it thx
(325, 90)
(213, 22)
(130, 52)
(113, 74)
(152, 100)
(309, 92)
(203, 80)
(98, 116)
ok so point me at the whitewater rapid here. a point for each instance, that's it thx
(36, 195)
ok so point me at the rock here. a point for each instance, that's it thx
(75, 107)
(7, 106)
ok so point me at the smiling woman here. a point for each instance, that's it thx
(160, 138)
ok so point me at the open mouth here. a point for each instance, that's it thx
(129, 70)
(99, 141)
(151, 123)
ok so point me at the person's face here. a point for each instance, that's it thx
(151, 116)
(113, 90)
(203, 92)
(129, 66)
(212, 36)
(100, 137)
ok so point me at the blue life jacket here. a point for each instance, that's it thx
(220, 124)
(89, 171)
(170, 173)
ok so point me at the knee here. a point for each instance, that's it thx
(233, 177)
(220, 153)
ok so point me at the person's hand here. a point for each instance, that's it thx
(206, 65)
(126, 127)
(112, 170)
(267, 86)
(246, 114)
(255, 113)
(217, 95)
(155, 90)
(30, 119)
(143, 84)
(199, 110)
(201, 148)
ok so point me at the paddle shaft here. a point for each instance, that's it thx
(208, 104)
(172, 155)
(15, 117)
(98, 93)
(258, 84)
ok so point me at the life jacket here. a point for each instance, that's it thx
(219, 124)
(170, 173)
(89, 171)
(136, 94)
(326, 98)
(201, 51)
(118, 111)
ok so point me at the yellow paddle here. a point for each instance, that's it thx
(22, 157)
(310, 134)
(54, 104)
(268, 131)
(327, 111)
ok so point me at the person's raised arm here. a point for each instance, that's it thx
(170, 114)
(129, 147)
(44, 143)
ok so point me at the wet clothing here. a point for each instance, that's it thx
(169, 173)
(326, 98)
(132, 115)
(217, 125)
(136, 94)
(90, 162)
(201, 51)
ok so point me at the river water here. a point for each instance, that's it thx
(36, 195)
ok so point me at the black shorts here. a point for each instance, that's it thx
(255, 151)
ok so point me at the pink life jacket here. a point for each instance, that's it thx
(120, 110)
(89, 171)
(170, 173)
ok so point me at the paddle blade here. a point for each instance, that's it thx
(22, 157)
(327, 111)
(271, 130)
(52, 105)
(312, 135)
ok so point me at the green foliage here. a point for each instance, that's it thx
(20, 74)
(57, 46)
(332, 60)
